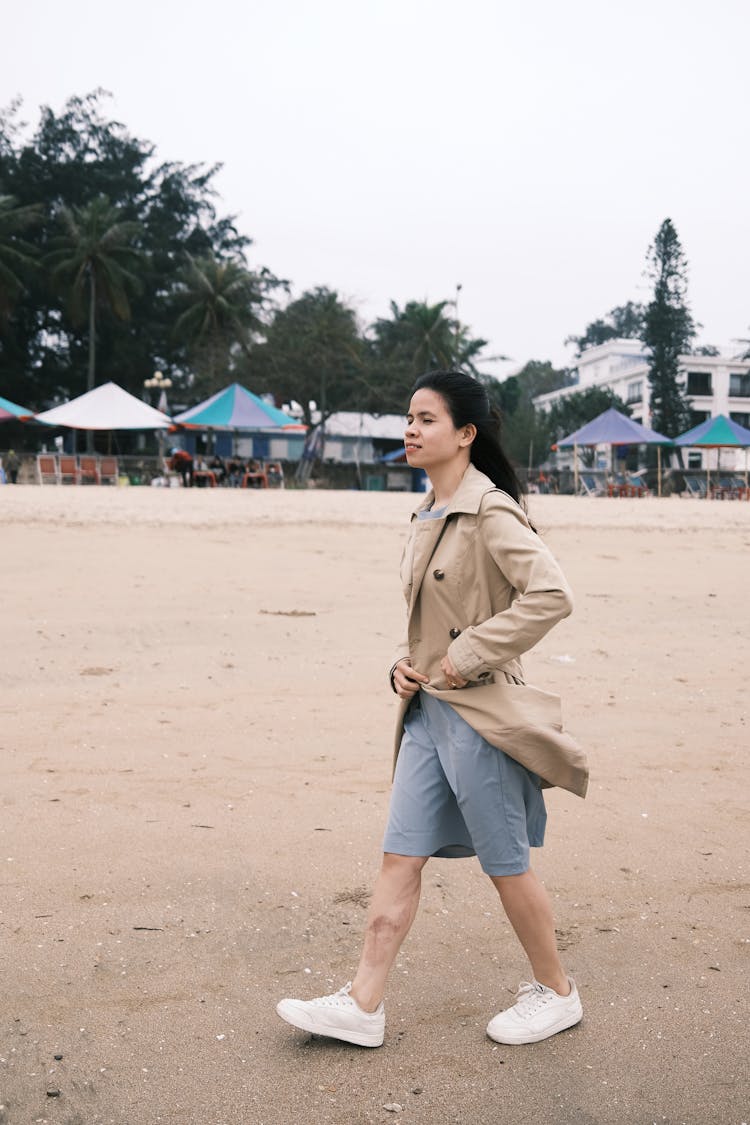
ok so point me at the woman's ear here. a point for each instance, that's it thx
(468, 433)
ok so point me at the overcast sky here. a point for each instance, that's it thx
(526, 151)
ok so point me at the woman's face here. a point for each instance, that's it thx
(431, 440)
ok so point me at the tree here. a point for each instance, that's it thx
(221, 302)
(68, 160)
(94, 257)
(526, 431)
(624, 322)
(415, 339)
(746, 341)
(17, 257)
(313, 354)
(570, 413)
(669, 331)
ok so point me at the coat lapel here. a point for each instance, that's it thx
(427, 535)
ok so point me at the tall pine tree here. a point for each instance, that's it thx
(668, 331)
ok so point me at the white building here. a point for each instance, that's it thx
(351, 437)
(712, 384)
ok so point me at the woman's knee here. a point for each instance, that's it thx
(512, 882)
(405, 867)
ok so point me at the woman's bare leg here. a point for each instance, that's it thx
(395, 899)
(529, 911)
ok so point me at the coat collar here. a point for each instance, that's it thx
(467, 497)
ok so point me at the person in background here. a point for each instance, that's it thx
(182, 463)
(11, 464)
(218, 468)
(235, 472)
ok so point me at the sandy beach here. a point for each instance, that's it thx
(196, 736)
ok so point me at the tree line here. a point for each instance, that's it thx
(114, 264)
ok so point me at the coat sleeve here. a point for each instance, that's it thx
(542, 596)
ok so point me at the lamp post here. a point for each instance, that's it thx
(459, 287)
(161, 383)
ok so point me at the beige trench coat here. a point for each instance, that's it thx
(482, 586)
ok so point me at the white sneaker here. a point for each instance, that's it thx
(537, 1013)
(338, 1016)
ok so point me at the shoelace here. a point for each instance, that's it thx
(530, 998)
(340, 999)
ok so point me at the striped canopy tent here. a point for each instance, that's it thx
(718, 433)
(236, 408)
(613, 428)
(12, 411)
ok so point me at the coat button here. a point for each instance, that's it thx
(438, 575)
(454, 633)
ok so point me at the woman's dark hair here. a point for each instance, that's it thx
(467, 401)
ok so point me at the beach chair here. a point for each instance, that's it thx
(254, 478)
(275, 474)
(588, 485)
(108, 470)
(728, 487)
(88, 470)
(637, 486)
(47, 469)
(69, 469)
(695, 487)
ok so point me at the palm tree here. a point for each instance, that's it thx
(220, 300)
(95, 255)
(428, 334)
(17, 256)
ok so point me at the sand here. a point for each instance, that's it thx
(196, 739)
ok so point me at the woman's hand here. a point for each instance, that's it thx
(452, 676)
(406, 680)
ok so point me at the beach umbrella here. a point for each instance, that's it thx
(236, 408)
(718, 433)
(613, 428)
(107, 407)
(11, 410)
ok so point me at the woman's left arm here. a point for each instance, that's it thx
(542, 598)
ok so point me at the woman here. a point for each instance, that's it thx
(475, 745)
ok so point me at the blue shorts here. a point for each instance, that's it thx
(455, 795)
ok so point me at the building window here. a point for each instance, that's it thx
(699, 383)
(740, 419)
(739, 385)
(695, 459)
(698, 416)
(635, 392)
